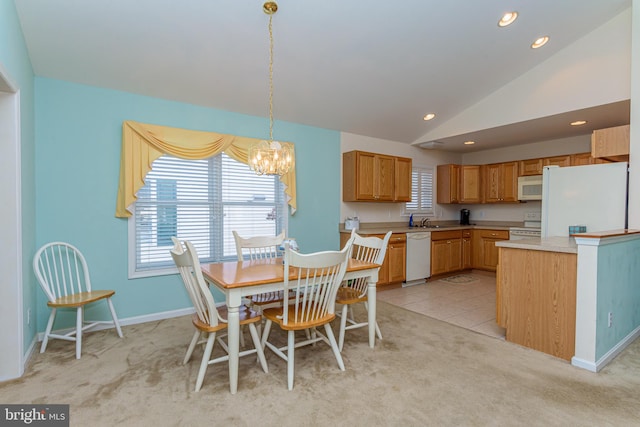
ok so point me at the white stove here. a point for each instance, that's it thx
(531, 228)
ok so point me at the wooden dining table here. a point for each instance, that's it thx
(238, 279)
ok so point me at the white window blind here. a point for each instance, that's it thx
(421, 191)
(201, 201)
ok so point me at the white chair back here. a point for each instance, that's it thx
(186, 259)
(369, 249)
(317, 279)
(61, 270)
(257, 247)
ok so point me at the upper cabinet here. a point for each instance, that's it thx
(530, 167)
(562, 161)
(501, 183)
(459, 184)
(371, 177)
(611, 143)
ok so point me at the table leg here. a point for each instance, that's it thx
(233, 325)
(371, 297)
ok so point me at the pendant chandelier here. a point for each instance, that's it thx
(270, 157)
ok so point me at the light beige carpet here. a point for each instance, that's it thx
(423, 373)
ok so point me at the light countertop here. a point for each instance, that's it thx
(382, 228)
(548, 244)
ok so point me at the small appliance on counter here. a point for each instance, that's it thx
(465, 216)
(351, 223)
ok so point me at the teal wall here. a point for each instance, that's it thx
(618, 292)
(78, 140)
(14, 59)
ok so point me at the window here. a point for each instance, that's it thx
(201, 201)
(421, 192)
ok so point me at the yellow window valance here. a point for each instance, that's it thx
(143, 143)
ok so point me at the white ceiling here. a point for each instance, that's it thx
(370, 67)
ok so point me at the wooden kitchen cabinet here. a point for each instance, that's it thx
(466, 249)
(530, 167)
(485, 252)
(611, 143)
(562, 161)
(448, 187)
(446, 251)
(459, 184)
(371, 177)
(403, 172)
(393, 269)
(501, 182)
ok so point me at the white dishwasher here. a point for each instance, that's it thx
(418, 257)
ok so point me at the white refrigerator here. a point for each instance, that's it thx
(594, 196)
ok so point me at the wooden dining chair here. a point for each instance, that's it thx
(313, 297)
(257, 248)
(351, 292)
(63, 275)
(208, 319)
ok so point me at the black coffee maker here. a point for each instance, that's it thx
(465, 215)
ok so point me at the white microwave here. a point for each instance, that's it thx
(530, 187)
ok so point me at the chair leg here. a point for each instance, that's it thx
(192, 346)
(291, 348)
(258, 347)
(115, 318)
(45, 340)
(79, 322)
(265, 333)
(334, 345)
(205, 359)
(343, 326)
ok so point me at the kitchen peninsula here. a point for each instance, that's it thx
(575, 298)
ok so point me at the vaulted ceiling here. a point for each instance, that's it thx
(366, 67)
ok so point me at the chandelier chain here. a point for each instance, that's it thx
(270, 78)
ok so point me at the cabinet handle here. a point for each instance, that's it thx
(493, 234)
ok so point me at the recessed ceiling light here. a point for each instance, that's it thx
(507, 19)
(469, 142)
(428, 116)
(578, 123)
(540, 42)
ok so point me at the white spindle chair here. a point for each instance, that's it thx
(63, 275)
(209, 319)
(370, 249)
(309, 302)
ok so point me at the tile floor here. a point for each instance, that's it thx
(469, 305)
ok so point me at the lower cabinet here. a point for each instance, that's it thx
(393, 269)
(466, 250)
(446, 251)
(485, 252)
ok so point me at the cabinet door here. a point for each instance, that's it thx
(439, 257)
(397, 262)
(610, 142)
(509, 182)
(455, 254)
(470, 184)
(582, 159)
(448, 184)
(492, 183)
(562, 161)
(365, 176)
(530, 167)
(384, 177)
(466, 250)
(403, 180)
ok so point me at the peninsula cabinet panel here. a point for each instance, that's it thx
(537, 299)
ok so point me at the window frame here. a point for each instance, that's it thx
(419, 196)
(281, 208)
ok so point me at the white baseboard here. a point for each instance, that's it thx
(609, 356)
(131, 321)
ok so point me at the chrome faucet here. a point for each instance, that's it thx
(425, 222)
